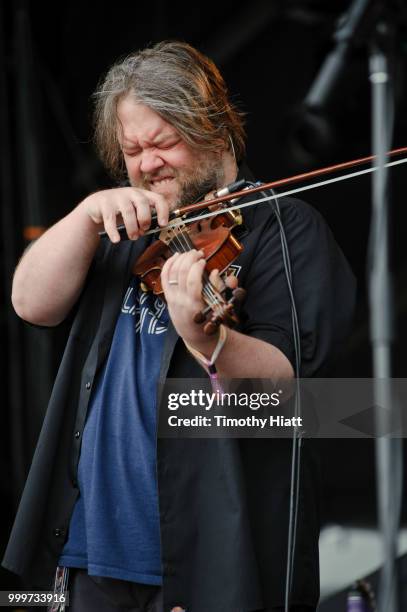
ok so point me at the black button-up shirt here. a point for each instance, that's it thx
(224, 503)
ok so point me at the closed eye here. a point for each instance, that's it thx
(161, 146)
(168, 145)
(132, 153)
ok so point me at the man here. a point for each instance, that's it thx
(206, 519)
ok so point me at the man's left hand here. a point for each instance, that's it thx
(181, 279)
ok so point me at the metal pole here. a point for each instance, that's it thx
(388, 449)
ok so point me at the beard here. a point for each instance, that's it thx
(195, 184)
(192, 183)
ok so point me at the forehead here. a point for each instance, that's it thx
(138, 123)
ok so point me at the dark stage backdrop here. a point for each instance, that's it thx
(51, 58)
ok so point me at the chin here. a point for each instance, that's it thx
(172, 199)
(170, 195)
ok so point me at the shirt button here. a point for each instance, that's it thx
(58, 532)
(88, 385)
(77, 434)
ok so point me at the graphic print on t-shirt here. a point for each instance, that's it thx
(148, 311)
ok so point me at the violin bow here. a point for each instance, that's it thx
(176, 215)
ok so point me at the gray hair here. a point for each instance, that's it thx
(181, 85)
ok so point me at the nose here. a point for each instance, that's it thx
(150, 161)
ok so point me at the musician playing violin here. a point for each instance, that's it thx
(170, 524)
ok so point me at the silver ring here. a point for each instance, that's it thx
(173, 282)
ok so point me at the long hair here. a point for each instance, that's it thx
(181, 85)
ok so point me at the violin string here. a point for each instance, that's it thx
(182, 243)
(183, 240)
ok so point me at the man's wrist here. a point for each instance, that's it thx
(87, 224)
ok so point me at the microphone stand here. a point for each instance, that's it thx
(374, 23)
(388, 450)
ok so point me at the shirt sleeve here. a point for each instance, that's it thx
(323, 286)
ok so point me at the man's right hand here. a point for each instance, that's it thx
(125, 205)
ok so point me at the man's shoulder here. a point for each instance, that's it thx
(294, 208)
(295, 213)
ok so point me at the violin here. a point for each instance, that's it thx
(214, 237)
(213, 234)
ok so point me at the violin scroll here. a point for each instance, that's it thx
(223, 312)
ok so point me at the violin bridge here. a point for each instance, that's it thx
(166, 235)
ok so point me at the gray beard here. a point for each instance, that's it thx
(196, 190)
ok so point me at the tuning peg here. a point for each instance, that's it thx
(211, 327)
(199, 317)
(238, 295)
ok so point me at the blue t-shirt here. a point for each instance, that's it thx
(114, 530)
